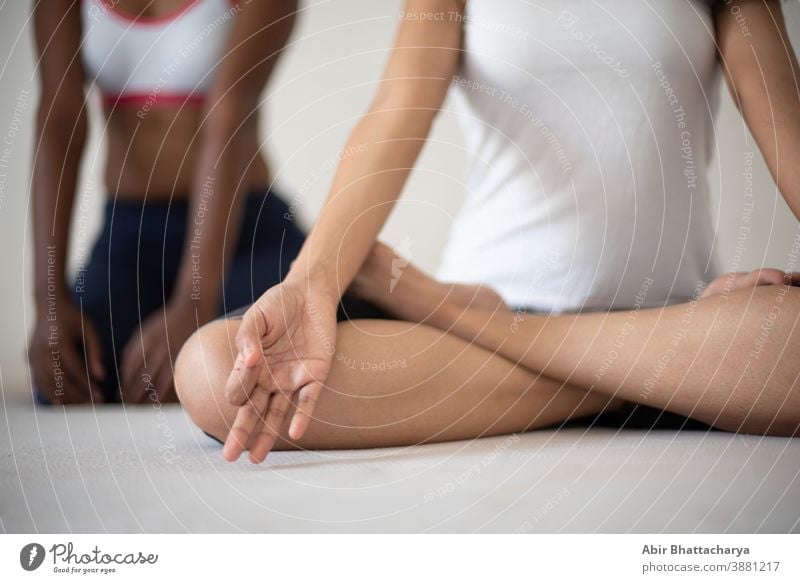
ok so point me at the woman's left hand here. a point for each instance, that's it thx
(741, 279)
(148, 357)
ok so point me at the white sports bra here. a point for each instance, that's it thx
(165, 60)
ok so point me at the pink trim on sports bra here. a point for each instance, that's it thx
(113, 7)
(183, 90)
(111, 100)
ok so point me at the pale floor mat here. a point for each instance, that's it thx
(145, 470)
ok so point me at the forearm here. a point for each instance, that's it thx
(214, 220)
(773, 112)
(763, 75)
(228, 138)
(384, 146)
(376, 162)
(55, 176)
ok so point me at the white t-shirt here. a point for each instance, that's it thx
(588, 126)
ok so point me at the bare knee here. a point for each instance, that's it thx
(773, 321)
(770, 336)
(201, 370)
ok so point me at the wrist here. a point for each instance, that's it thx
(316, 280)
(445, 314)
(429, 301)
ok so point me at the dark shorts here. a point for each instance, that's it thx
(633, 416)
(350, 308)
(136, 257)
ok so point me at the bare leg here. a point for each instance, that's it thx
(392, 383)
(732, 360)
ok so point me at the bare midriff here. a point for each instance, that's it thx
(153, 150)
(153, 155)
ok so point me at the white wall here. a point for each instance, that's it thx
(321, 87)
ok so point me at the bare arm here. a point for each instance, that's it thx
(388, 140)
(61, 125)
(764, 78)
(286, 339)
(259, 34)
(228, 130)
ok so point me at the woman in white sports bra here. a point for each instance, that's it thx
(189, 208)
(583, 251)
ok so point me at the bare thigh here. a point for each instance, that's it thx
(393, 383)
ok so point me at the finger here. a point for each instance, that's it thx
(158, 368)
(168, 394)
(241, 381)
(166, 388)
(717, 285)
(270, 428)
(249, 361)
(152, 380)
(306, 401)
(789, 277)
(94, 350)
(133, 369)
(735, 280)
(728, 282)
(248, 338)
(164, 383)
(767, 277)
(75, 383)
(43, 379)
(247, 417)
(134, 379)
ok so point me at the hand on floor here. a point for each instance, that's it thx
(60, 372)
(147, 360)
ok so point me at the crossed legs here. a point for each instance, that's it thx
(392, 383)
(474, 368)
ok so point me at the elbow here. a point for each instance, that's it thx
(62, 119)
(232, 119)
(412, 107)
(426, 92)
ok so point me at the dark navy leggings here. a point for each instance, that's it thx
(134, 263)
(136, 258)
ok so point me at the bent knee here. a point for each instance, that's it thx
(202, 368)
(751, 307)
(777, 308)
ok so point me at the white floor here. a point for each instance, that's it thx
(141, 470)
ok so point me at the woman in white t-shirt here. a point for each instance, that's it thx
(588, 127)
